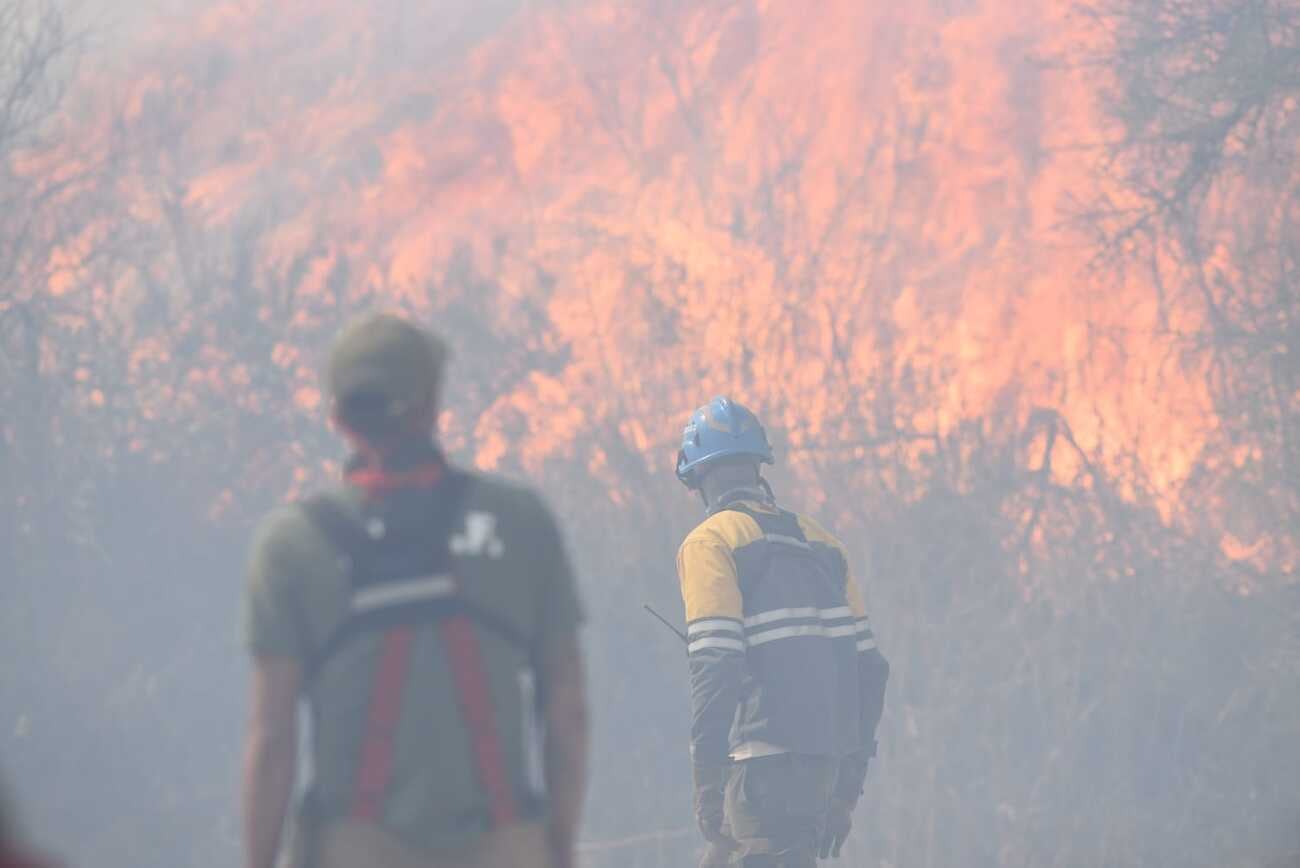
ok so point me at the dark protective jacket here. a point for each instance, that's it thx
(782, 656)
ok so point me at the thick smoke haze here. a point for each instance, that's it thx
(1012, 283)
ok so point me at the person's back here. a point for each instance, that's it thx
(801, 621)
(787, 685)
(422, 612)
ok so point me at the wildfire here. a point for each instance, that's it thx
(827, 210)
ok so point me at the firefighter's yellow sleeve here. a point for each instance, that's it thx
(715, 639)
(707, 572)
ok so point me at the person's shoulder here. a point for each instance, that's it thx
(817, 533)
(505, 497)
(280, 530)
(729, 528)
(707, 530)
(486, 484)
(288, 535)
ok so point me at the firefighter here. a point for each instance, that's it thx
(428, 617)
(787, 685)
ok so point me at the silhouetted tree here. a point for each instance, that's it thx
(1204, 195)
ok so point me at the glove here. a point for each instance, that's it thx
(839, 818)
(709, 784)
(849, 780)
(839, 822)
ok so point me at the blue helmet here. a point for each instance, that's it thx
(720, 429)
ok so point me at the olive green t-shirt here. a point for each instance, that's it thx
(510, 560)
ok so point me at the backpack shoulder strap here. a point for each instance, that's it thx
(343, 531)
(353, 543)
(455, 486)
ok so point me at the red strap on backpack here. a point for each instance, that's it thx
(477, 711)
(466, 660)
(376, 769)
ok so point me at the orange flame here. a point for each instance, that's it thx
(827, 212)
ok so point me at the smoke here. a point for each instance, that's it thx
(1075, 541)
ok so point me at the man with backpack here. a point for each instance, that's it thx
(787, 685)
(428, 617)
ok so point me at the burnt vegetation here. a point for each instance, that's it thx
(1084, 674)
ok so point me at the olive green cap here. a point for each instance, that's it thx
(385, 354)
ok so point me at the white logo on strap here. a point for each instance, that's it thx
(479, 537)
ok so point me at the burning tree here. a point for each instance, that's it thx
(1203, 198)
